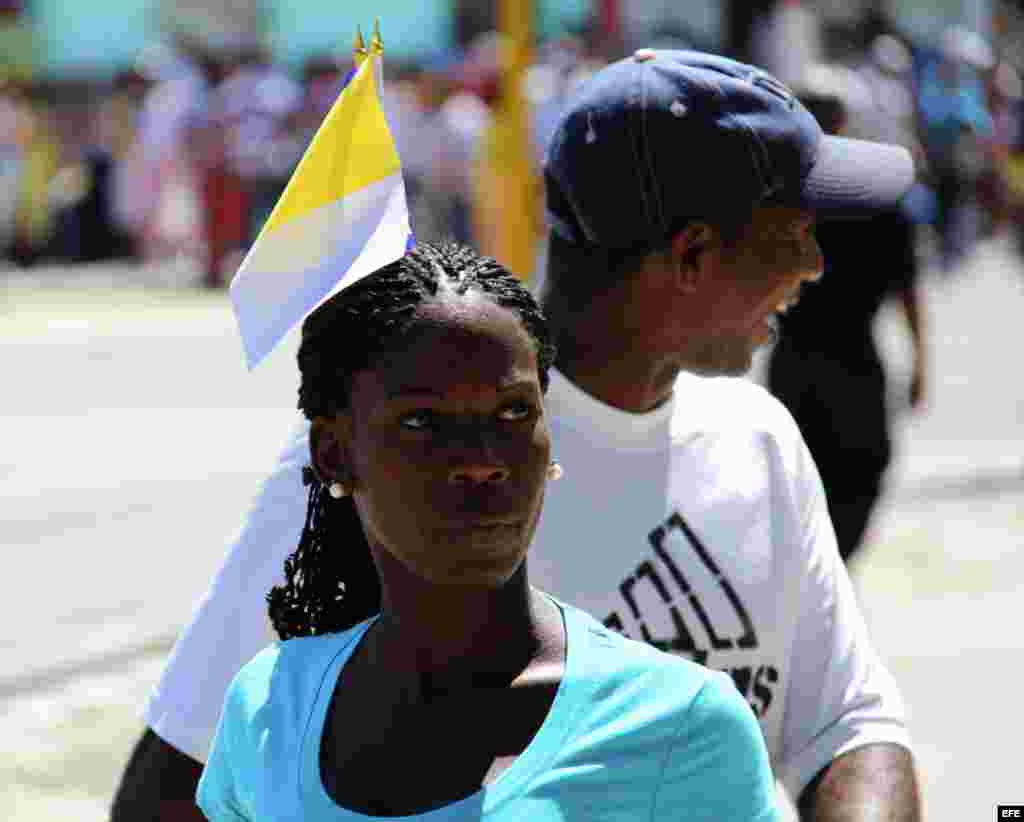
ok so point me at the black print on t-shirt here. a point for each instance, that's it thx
(668, 581)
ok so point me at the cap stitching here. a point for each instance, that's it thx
(639, 161)
(758, 150)
(660, 218)
(759, 162)
(585, 234)
(769, 183)
(713, 88)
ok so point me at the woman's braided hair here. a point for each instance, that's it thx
(331, 582)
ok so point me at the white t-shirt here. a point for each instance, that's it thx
(700, 526)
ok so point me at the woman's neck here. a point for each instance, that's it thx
(451, 638)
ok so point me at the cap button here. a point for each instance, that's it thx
(643, 55)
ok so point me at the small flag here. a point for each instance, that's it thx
(342, 216)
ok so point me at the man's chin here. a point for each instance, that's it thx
(731, 368)
(767, 333)
(732, 357)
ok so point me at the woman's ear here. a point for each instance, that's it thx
(328, 449)
(690, 249)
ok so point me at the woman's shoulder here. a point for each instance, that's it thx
(289, 672)
(641, 699)
(629, 671)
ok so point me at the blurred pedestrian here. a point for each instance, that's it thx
(681, 220)
(880, 101)
(826, 368)
(955, 123)
(1004, 100)
(1014, 170)
(414, 94)
(787, 40)
(116, 130)
(255, 106)
(95, 139)
(224, 198)
(878, 96)
(464, 120)
(11, 162)
(157, 185)
(406, 116)
(38, 161)
(323, 79)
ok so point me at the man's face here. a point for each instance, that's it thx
(754, 278)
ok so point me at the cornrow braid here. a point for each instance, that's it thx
(331, 582)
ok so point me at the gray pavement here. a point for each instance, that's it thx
(132, 438)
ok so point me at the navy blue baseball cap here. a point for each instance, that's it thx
(662, 137)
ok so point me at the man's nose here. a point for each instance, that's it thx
(817, 267)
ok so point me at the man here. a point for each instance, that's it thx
(681, 189)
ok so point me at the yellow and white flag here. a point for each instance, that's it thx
(342, 216)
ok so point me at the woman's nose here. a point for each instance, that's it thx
(476, 460)
(478, 474)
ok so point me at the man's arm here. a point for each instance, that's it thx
(874, 782)
(158, 785)
(846, 749)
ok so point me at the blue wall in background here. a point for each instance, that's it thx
(409, 27)
(92, 35)
(98, 36)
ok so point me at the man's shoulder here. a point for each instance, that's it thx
(727, 404)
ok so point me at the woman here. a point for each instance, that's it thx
(422, 676)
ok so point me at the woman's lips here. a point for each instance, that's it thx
(487, 523)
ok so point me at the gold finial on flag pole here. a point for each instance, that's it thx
(359, 51)
(376, 42)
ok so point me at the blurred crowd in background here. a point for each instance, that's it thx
(184, 152)
(181, 154)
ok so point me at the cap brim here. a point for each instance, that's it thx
(852, 178)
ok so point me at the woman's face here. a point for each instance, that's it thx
(447, 445)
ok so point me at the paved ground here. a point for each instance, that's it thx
(131, 438)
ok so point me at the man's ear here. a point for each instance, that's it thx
(690, 249)
(329, 448)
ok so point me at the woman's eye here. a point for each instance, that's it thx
(417, 420)
(515, 412)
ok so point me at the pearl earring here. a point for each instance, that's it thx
(337, 490)
(555, 471)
